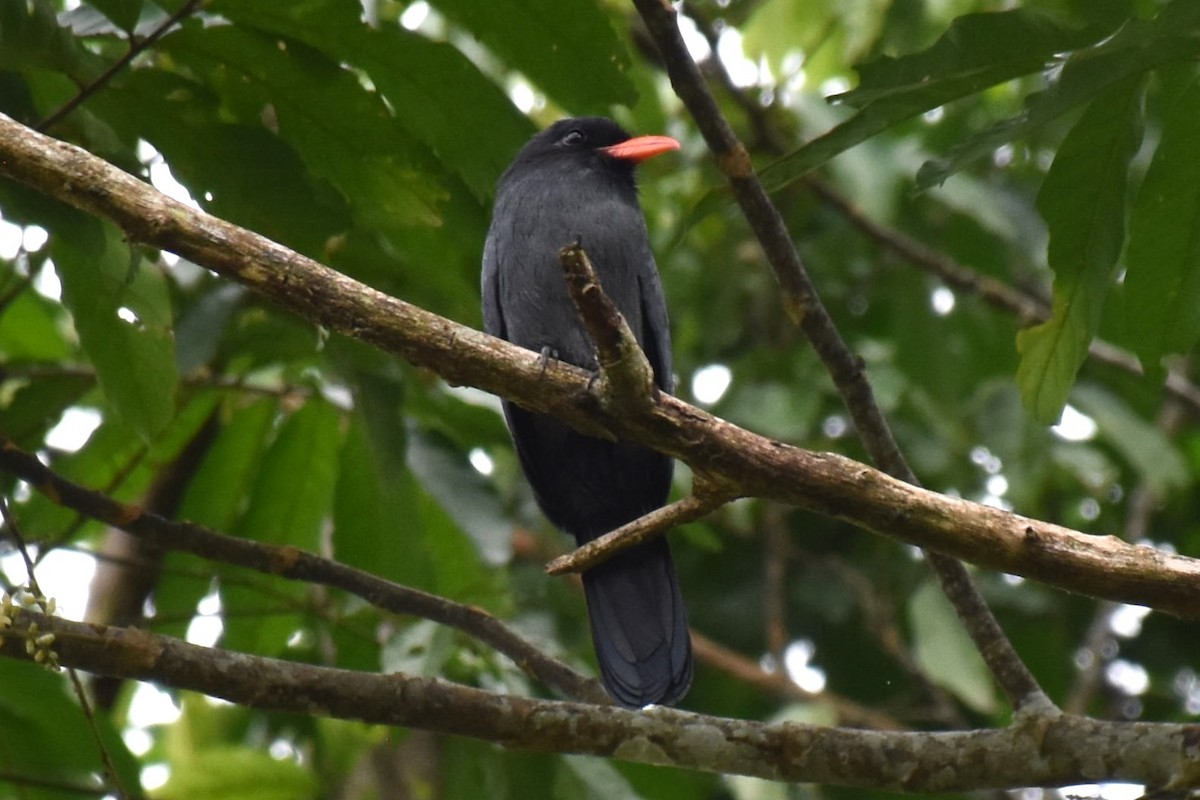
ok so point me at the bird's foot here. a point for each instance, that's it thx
(548, 353)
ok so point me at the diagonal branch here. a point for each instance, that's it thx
(804, 306)
(656, 523)
(1064, 750)
(751, 465)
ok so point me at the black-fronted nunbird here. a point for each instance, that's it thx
(575, 182)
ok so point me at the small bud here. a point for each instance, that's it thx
(51, 607)
(45, 640)
(30, 647)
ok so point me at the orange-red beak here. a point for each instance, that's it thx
(640, 148)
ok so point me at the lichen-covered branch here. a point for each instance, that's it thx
(1066, 750)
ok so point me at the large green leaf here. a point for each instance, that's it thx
(44, 734)
(1163, 260)
(1084, 200)
(832, 33)
(570, 50)
(438, 96)
(104, 284)
(1139, 46)
(290, 503)
(246, 773)
(341, 131)
(294, 485)
(31, 330)
(240, 172)
(466, 496)
(30, 36)
(978, 51)
(945, 651)
(376, 526)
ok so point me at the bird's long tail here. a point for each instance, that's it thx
(639, 626)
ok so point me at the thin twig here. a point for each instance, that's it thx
(880, 620)
(775, 542)
(14, 530)
(136, 47)
(777, 682)
(804, 306)
(657, 522)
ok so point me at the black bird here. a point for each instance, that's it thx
(575, 181)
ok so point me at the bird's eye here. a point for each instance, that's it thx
(573, 138)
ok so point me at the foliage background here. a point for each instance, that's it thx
(371, 140)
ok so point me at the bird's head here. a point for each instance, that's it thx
(593, 140)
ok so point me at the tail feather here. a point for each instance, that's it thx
(639, 626)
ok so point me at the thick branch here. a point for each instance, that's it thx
(751, 465)
(1066, 750)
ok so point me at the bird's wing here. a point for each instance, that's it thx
(656, 328)
(493, 318)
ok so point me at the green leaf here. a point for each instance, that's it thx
(124, 13)
(1142, 444)
(294, 485)
(240, 172)
(134, 360)
(375, 526)
(978, 51)
(1138, 47)
(218, 490)
(422, 648)
(1162, 284)
(43, 732)
(945, 651)
(289, 504)
(591, 778)
(1084, 201)
(442, 99)
(338, 128)
(36, 407)
(245, 773)
(466, 496)
(31, 330)
(570, 50)
(30, 36)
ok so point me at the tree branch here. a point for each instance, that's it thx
(656, 523)
(804, 306)
(752, 465)
(1062, 751)
(297, 565)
